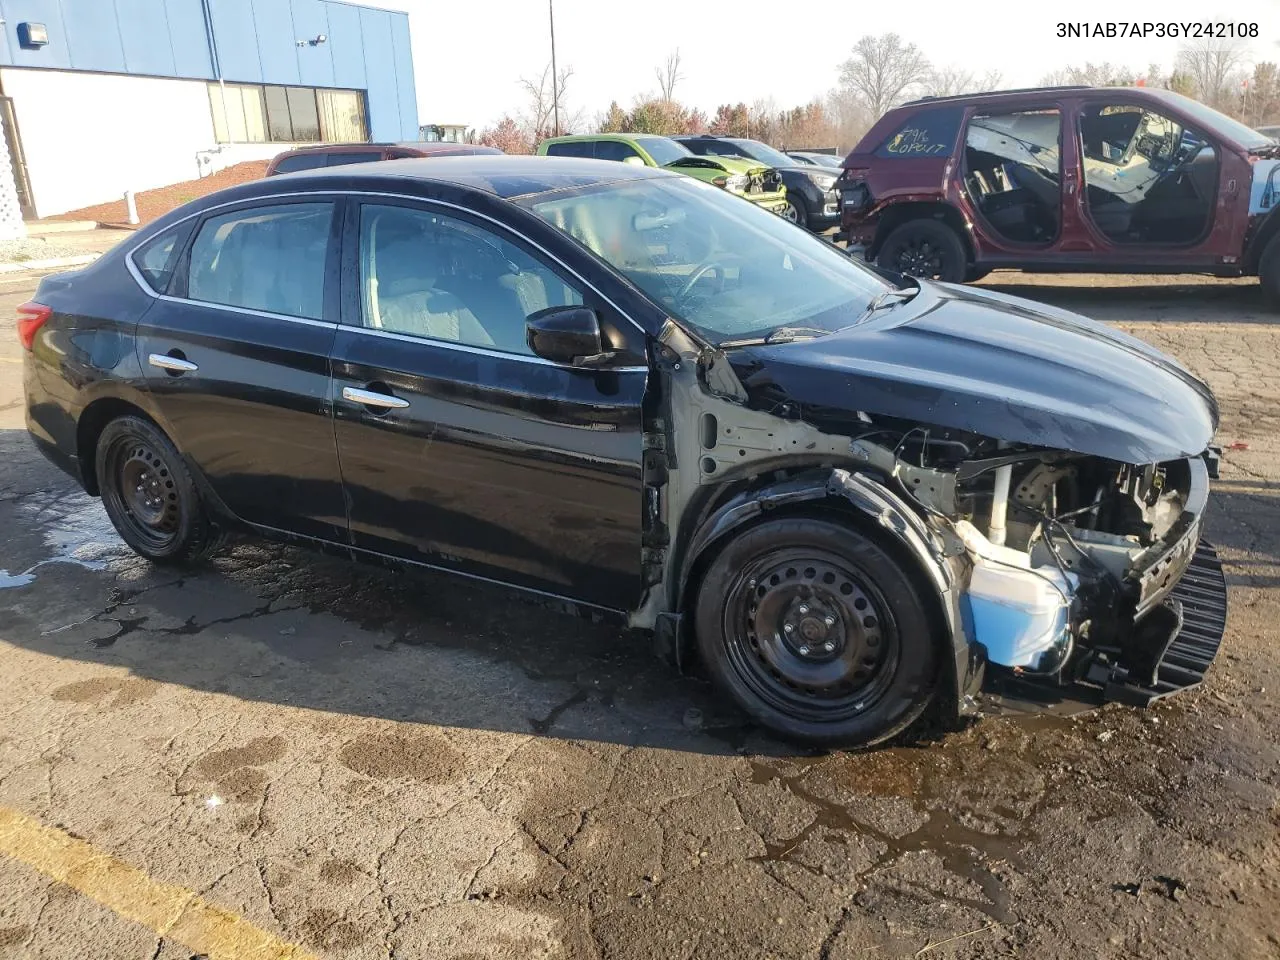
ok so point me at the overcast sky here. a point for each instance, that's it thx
(469, 56)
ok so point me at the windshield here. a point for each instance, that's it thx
(765, 153)
(724, 267)
(663, 150)
(825, 160)
(1212, 120)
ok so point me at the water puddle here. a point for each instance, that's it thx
(963, 850)
(75, 529)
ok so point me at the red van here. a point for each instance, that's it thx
(335, 154)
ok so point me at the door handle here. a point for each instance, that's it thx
(172, 364)
(371, 398)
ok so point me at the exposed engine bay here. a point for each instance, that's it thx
(1072, 557)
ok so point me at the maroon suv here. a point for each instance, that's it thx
(1120, 179)
(335, 154)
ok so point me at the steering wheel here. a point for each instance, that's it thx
(702, 269)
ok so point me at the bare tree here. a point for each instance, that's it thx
(1210, 64)
(1105, 74)
(883, 70)
(669, 75)
(952, 80)
(540, 104)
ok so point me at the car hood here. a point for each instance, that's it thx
(733, 165)
(980, 361)
(809, 171)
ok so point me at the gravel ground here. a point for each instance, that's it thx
(372, 765)
(54, 246)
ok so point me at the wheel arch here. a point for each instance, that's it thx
(1265, 232)
(92, 421)
(896, 214)
(867, 505)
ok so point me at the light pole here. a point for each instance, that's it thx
(555, 92)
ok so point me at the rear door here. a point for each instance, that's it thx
(459, 447)
(236, 351)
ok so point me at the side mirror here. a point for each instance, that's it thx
(567, 335)
(634, 161)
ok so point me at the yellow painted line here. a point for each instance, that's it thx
(169, 911)
(10, 359)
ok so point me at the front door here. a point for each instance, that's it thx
(236, 351)
(459, 447)
(1151, 183)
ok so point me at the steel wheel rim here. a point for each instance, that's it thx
(920, 258)
(828, 662)
(143, 492)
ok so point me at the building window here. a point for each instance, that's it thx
(253, 113)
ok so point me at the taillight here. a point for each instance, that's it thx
(31, 317)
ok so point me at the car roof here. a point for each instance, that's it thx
(1032, 93)
(499, 174)
(425, 146)
(580, 137)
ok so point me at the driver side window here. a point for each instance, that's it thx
(1148, 179)
(443, 278)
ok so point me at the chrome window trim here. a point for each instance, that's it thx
(484, 351)
(337, 195)
(248, 311)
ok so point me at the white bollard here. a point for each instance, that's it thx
(131, 207)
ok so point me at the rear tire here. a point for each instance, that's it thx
(924, 248)
(817, 632)
(1269, 271)
(149, 494)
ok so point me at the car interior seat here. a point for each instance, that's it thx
(404, 297)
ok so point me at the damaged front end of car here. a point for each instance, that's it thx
(1051, 508)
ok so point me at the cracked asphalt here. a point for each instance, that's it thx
(367, 764)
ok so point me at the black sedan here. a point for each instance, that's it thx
(843, 499)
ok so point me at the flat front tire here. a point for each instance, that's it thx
(817, 632)
(924, 248)
(149, 494)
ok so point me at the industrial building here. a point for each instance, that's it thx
(102, 96)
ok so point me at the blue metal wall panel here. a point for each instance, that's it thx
(407, 93)
(346, 46)
(365, 48)
(315, 64)
(380, 74)
(189, 38)
(237, 35)
(277, 43)
(93, 35)
(145, 38)
(47, 12)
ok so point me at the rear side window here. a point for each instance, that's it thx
(929, 133)
(267, 258)
(574, 148)
(301, 161)
(156, 258)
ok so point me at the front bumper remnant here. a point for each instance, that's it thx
(1194, 624)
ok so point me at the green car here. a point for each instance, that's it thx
(749, 179)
